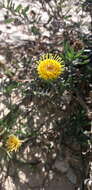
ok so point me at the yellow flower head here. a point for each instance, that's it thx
(50, 67)
(13, 143)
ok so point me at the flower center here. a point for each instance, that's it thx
(50, 67)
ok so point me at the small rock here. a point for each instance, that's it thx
(71, 176)
(2, 61)
(62, 166)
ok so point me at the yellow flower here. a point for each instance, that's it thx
(13, 143)
(50, 67)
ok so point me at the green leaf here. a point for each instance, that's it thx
(35, 30)
(18, 8)
(66, 17)
(84, 62)
(70, 55)
(9, 20)
(25, 10)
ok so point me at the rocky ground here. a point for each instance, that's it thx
(35, 167)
